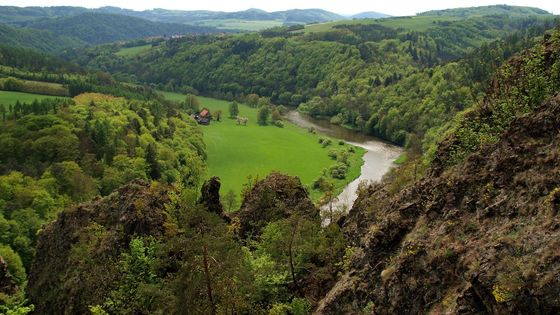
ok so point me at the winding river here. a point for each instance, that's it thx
(378, 159)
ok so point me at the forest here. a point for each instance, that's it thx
(109, 203)
(393, 83)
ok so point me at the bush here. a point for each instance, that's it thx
(340, 142)
(339, 170)
(326, 142)
(318, 183)
(333, 154)
(311, 130)
(279, 124)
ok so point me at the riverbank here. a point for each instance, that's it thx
(377, 161)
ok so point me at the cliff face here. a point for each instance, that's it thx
(75, 265)
(480, 236)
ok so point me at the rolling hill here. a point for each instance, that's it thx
(24, 16)
(369, 15)
(98, 28)
(36, 39)
(515, 11)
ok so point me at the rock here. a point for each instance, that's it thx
(7, 284)
(210, 197)
(274, 198)
(75, 262)
(480, 237)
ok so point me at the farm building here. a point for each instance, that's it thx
(204, 117)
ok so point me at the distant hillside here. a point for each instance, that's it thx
(189, 17)
(21, 16)
(488, 10)
(369, 15)
(17, 15)
(36, 39)
(97, 28)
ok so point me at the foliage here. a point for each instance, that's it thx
(262, 115)
(382, 79)
(55, 153)
(233, 110)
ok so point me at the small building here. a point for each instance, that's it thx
(204, 117)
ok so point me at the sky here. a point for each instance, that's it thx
(395, 7)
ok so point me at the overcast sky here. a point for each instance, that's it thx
(395, 7)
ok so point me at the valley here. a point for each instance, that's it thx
(286, 162)
(237, 153)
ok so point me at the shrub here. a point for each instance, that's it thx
(339, 170)
(279, 124)
(326, 142)
(333, 154)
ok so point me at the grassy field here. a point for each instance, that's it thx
(235, 152)
(133, 51)
(416, 23)
(8, 97)
(251, 26)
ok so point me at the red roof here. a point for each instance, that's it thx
(204, 113)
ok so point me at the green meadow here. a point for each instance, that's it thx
(236, 152)
(416, 23)
(233, 24)
(133, 51)
(9, 97)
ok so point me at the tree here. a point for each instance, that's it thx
(276, 115)
(151, 159)
(252, 100)
(3, 112)
(229, 199)
(218, 115)
(233, 109)
(192, 102)
(262, 115)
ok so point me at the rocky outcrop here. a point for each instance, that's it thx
(75, 263)
(276, 197)
(479, 237)
(210, 198)
(7, 284)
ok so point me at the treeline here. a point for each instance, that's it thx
(392, 83)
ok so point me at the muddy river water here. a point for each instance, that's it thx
(378, 159)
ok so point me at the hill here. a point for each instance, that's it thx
(369, 15)
(488, 10)
(97, 28)
(251, 19)
(189, 17)
(41, 40)
(478, 236)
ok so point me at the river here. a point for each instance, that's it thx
(378, 159)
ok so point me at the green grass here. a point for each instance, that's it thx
(8, 97)
(236, 152)
(133, 51)
(401, 159)
(232, 24)
(416, 23)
